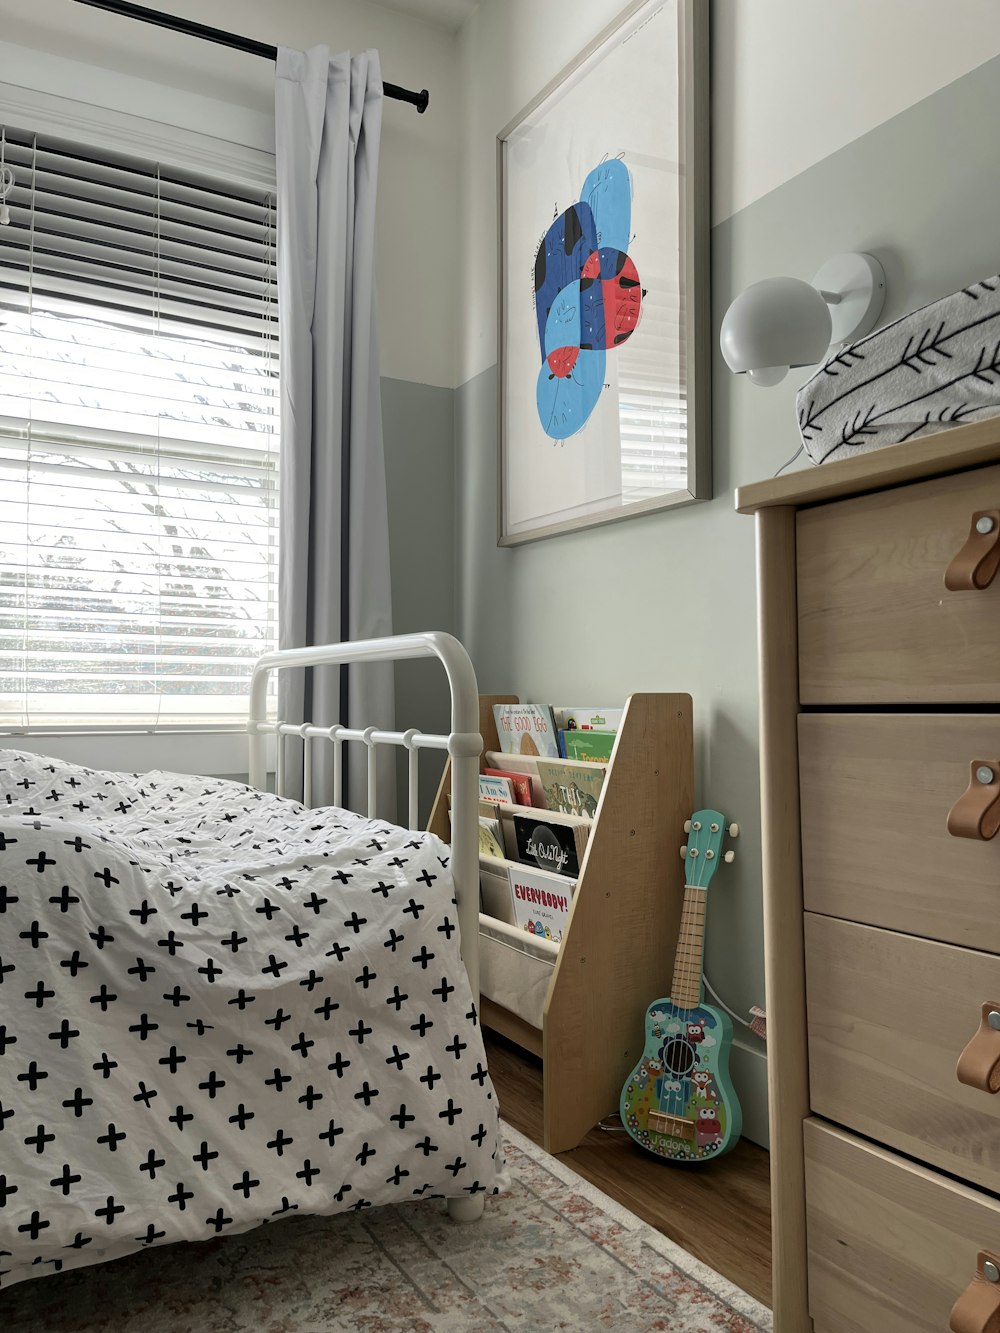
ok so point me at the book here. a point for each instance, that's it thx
(520, 782)
(592, 747)
(541, 901)
(490, 809)
(572, 789)
(526, 764)
(497, 788)
(554, 844)
(490, 841)
(526, 729)
(588, 719)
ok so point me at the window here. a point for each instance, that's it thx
(138, 441)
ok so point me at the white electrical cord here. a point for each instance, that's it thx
(719, 1001)
(788, 463)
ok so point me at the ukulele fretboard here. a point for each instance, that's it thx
(685, 992)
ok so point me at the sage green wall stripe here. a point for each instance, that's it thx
(667, 601)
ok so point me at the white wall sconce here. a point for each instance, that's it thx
(781, 323)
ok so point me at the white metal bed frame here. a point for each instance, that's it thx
(463, 745)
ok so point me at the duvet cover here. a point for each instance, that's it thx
(218, 1007)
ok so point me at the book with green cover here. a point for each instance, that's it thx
(573, 789)
(592, 747)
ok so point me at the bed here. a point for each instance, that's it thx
(219, 1006)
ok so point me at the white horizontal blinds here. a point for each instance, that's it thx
(652, 396)
(138, 441)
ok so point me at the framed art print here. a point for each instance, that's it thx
(603, 272)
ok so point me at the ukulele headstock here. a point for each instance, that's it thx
(707, 831)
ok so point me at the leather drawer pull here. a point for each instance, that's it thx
(976, 813)
(977, 1310)
(979, 1063)
(977, 562)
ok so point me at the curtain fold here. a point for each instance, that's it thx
(334, 552)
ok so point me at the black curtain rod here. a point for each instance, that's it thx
(230, 39)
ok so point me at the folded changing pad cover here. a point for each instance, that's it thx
(935, 368)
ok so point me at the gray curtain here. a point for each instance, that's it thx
(334, 556)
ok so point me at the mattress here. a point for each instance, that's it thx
(218, 1008)
(935, 368)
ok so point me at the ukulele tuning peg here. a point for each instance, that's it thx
(734, 830)
(729, 858)
(684, 852)
(687, 826)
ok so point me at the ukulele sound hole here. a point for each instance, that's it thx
(678, 1056)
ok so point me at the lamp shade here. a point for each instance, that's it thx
(774, 324)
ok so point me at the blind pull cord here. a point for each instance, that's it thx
(6, 180)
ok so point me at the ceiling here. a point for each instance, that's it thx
(449, 14)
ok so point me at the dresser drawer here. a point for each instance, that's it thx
(888, 1017)
(876, 624)
(891, 1245)
(875, 795)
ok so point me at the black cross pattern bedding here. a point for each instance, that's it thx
(218, 1007)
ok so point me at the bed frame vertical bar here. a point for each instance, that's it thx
(279, 763)
(307, 771)
(372, 772)
(412, 777)
(338, 767)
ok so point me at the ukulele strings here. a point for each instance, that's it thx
(686, 939)
(689, 934)
(692, 932)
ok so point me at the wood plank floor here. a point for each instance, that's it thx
(721, 1213)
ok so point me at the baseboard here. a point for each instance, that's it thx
(748, 1067)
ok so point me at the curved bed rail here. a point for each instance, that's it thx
(463, 744)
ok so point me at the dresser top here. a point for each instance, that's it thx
(947, 451)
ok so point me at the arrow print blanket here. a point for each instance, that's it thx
(934, 368)
(218, 1007)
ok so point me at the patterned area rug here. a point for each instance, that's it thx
(553, 1253)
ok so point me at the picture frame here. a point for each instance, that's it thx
(603, 281)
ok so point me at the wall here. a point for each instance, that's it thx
(81, 53)
(904, 166)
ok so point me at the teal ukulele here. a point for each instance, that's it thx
(679, 1101)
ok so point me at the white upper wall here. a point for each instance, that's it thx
(792, 81)
(87, 55)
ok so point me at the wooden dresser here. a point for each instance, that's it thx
(880, 711)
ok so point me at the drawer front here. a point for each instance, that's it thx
(888, 1017)
(875, 793)
(876, 624)
(891, 1245)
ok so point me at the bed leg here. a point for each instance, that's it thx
(469, 1208)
